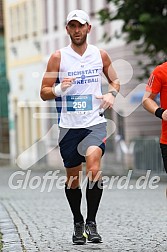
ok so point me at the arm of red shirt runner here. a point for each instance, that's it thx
(152, 89)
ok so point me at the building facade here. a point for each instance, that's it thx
(24, 60)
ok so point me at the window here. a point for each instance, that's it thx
(14, 23)
(25, 20)
(18, 28)
(55, 14)
(34, 17)
(92, 8)
(11, 24)
(45, 6)
(66, 9)
(79, 4)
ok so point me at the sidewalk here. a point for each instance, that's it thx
(128, 220)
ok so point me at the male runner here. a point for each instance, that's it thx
(78, 68)
(157, 84)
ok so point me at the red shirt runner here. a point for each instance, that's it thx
(157, 83)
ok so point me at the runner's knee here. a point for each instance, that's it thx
(94, 173)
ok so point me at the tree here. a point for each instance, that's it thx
(145, 23)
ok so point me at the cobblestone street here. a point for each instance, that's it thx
(128, 220)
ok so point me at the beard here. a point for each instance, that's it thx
(78, 41)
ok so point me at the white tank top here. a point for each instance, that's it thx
(80, 108)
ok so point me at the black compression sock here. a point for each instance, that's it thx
(93, 196)
(74, 199)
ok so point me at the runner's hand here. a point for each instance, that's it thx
(66, 83)
(164, 115)
(107, 101)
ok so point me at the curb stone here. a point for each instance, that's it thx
(10, 236)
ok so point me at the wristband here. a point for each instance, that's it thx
(159, 112)
(114, 93)
(57, 91)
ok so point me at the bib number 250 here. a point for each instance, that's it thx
(79, 104)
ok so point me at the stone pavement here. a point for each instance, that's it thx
(133, 220)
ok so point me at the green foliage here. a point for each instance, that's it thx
(145, 22)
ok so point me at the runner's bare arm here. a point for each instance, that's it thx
(48, 89)
(113, 81)
(149, 103)
(109, 72)
(50, 77)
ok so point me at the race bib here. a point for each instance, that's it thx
(79, 103)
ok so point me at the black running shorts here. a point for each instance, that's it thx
(164, 155)
(74, 143)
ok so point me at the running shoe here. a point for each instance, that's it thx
(78, 235)
(91, 232)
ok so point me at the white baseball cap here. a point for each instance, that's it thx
(78, 15)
